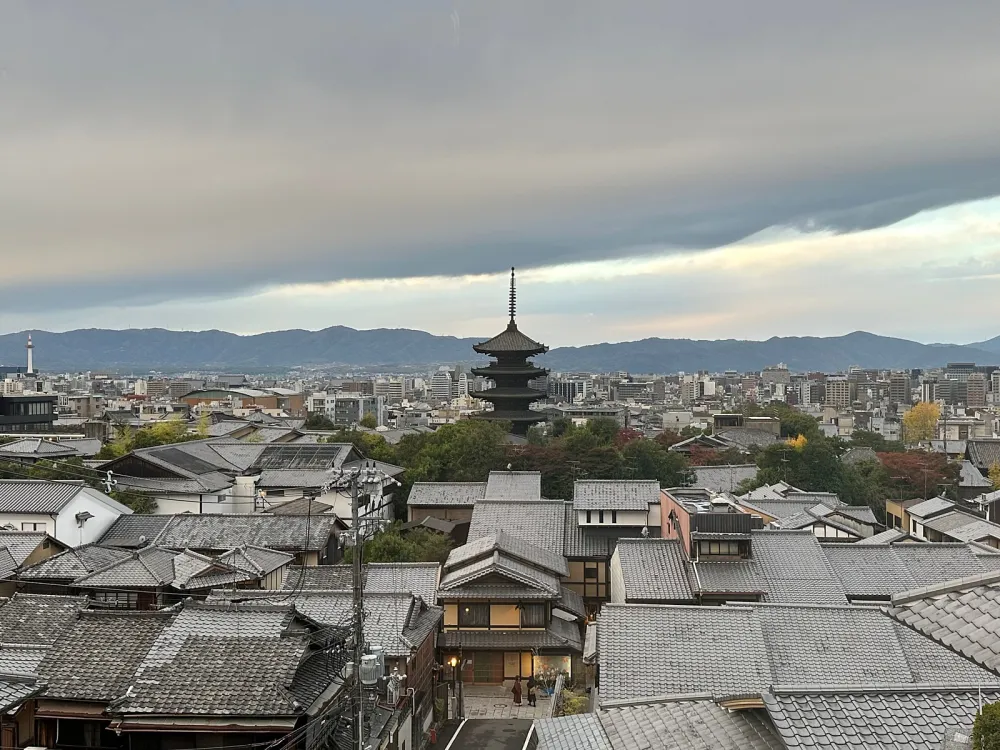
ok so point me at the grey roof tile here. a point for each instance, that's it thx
(36, 495)
(541, 523)
(98, 654)
(930, 507)
(688, 725)
(560, 635)
(16, 690)
(499, 564)
(594, 543)
(21, 544)
(872, 720)
(223, 532)
(460, 494)
(74, 563)
(514, 485)
(579, 732)
(615, 494)
(38, 618)
(21, 660)
(420, 578)
(722, 478)
(654, 570)
(886, 537)
(511, 545)
(131, 530)
(647, 651)
(795, 568)
(736, 577)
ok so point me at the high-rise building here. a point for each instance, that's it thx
(511, 371)
(976, 395)
(441, 385)
(959, 370)
(929, 390)
(899, 388)
(839, 392)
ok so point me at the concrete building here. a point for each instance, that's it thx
(839, 392)
(899, 388)
(976, 390)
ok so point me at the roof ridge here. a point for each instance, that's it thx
(918, 687)
(948, 587)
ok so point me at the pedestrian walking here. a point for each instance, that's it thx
(517, 690)
(531, 685)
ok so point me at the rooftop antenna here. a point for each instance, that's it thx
(513, 295)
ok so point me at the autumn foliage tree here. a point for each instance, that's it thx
(920, 422)
(919, 474)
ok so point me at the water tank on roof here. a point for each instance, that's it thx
(370, 671)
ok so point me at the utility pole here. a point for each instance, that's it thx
(359, 618)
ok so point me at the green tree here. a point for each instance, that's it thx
(651, 460)
(317, 421)
(995, 475)
(604, 429)
(395, 545)
(986, 729)
(368, 421)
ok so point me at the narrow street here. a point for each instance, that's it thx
(492, 734)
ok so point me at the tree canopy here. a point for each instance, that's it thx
(920, 422)
(986, 729)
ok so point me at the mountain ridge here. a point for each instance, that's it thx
(144, 349)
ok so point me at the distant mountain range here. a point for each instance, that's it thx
(142, 350)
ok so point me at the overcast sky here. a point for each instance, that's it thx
(707, 170)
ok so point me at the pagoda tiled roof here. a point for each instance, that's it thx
(510, 340)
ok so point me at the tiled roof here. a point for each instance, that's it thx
(572, 602)
(738, 577)
(722, 478)
(36, 495)
(930, 507)
(541, 523)
(983, 452)
(514, 485)
(963, 615)
(16, 690)
(98, 654)
(870, 719)
(74, 563)
(654, 570)
(223, 532)
(879, 571)
(303, 506)
(36, 447)
(462, 494)
(21, 660)
(615, 494)
(578, 732)
(779, 508)
(970, 476)
(419, 578)
(851, 645)
(498, 564)
(21, 544)
(257, 560)
(510, 340)
(688, 725)
(146, 568)
(512, 546)
(859, 455)
(963, 527)
(560, 635)
(795, 568)
(885, 537)
(596, 542)
(221, 661)
(747, 437)
(127, 531)
(648, 651)
(38, 618)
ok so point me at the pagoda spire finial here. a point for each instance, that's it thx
(513, 295)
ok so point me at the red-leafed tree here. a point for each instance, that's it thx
(919, 474)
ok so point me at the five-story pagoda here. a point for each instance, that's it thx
(511, 371)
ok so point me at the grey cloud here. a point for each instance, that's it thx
(200, 150)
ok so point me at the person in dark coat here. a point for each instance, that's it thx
(532, 684)
(516, 690)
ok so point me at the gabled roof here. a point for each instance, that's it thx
(795, 568)
(963, 527)
(514, 485)
(970, 476)
(37, 495)
(930, 507)
(859, 455)
(460, 494)
(541, 523)
(419, 578)
(682, 725)
(529, 581)
(782, 508)
(983, 452)
(873, 719)
(511, 546)
(615, 494)
(654, 570)
(651, 651)
(21, 544)
(38, 618)
(36, 448)
(962, 614)
(98, 653)
(218, 531)
(74, 563)
(747, 437)
(889, 536)
(722, 478)
(559, 636)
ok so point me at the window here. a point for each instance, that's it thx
(614, 516)
(589, 516)
(533, 615)
(474, 616)
(29, 526)
(718, 549)
(590, 571)
(601, 516)
(117, 599)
